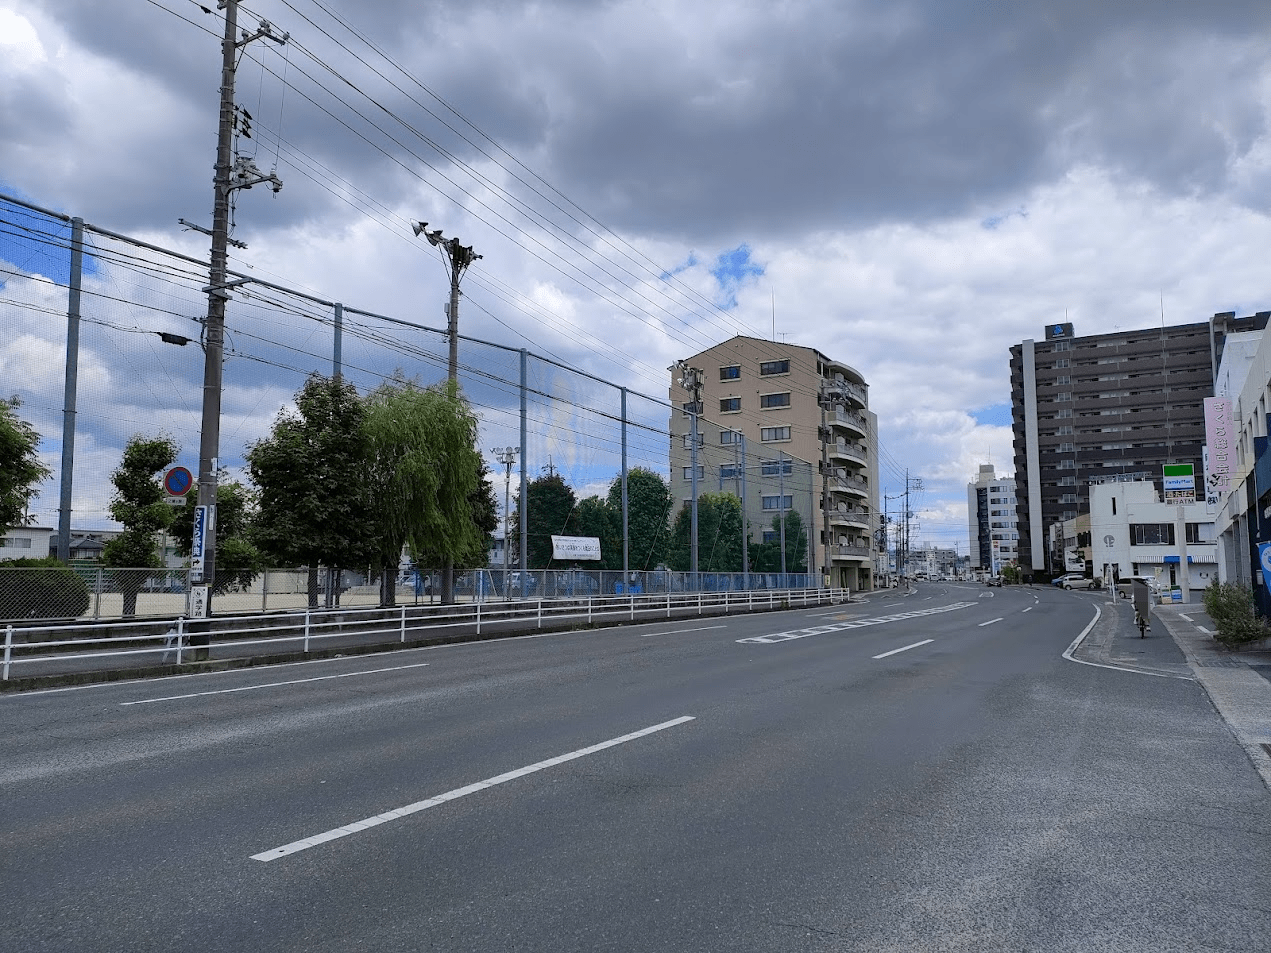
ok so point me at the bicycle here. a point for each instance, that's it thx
(1141, 621)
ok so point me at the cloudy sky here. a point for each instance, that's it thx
(911, 186)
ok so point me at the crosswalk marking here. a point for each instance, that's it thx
(854, 624)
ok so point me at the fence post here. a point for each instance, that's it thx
(403, 628)
(180, 636)
(264, 591)
(632, 594)
(479, 604)
(589, 610)
(8, 649)
(540, 613)
(97, 589)
(668, 602)
(306, 631)
(699, 601)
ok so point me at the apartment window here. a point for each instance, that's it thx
(768, 368)
(727, 437)
(1067, 465)
(692, 407)
(1063, 346)
(16, 542)
(778, 502)
(1063, 412)
(1063, 395)
(777, 467)
(1200, 532)
(729, 405)
(767, 401)
(1151, 534)
(1065, 431)
(772, 536)
(729, 471)
(688, 440)
(701, 472)
(1061, 363)
(770, 434)
(1063, 379)
(730, 373)
(1067, 448)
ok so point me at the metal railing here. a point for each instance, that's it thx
(47, 649)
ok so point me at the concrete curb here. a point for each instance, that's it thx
(1241, 695)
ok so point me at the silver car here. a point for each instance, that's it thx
(1077, 581)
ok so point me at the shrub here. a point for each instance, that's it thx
(41, 589)
(1231, 609)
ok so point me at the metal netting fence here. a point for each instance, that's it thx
(136, 368)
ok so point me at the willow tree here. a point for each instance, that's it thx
(423, 474)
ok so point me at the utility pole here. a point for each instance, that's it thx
(506, 456)
(691, 381)
(457, 259)
(227, 177)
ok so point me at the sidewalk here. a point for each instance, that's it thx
(1238, 683)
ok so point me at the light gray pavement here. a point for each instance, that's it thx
(1180, 644)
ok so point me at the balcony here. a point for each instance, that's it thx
(849, 551)
(856, 423)
(848, 450)
(856, 517)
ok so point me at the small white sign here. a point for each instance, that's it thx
(197, 608)
(575, 547)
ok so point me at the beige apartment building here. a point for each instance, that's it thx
(785, 428)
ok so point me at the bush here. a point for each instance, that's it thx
(1231, 609)
(41, 589)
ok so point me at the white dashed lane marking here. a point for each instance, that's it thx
(854, 624)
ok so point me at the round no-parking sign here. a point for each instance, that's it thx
(178, 481)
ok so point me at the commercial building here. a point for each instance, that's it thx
(1122, 404)
(993, 528)
(785, 428)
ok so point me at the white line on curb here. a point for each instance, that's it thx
(374, 821)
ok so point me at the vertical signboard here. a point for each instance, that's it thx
(1218, 433)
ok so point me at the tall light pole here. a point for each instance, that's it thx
(457, 258)
(691, 380)
(506, 456)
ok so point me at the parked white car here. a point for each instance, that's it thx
(1074, 580)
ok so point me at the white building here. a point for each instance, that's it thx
(992, 522)
(25, 542)
(1134, 533)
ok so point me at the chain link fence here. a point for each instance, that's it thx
(137, 370)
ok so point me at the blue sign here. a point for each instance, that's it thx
(1264, 559)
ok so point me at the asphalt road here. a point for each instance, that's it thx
(768, 783)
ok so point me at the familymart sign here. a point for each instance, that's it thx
(1179, 481)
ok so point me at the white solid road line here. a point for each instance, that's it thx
(700, 628)
(905, 648)
(853, 624)
(252, 688)
(374, 821)
(990, 622)
(1029, 609)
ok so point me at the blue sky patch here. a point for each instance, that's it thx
(999, 415)
(38, 244)
(732, 270)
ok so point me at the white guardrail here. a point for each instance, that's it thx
(76, 646)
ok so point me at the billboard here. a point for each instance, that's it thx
(1218, 436)
(575, 547)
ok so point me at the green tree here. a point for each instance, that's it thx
(138, 504)
(238, 560)
(766, 556)
(594, 517)
(311, 472)
(718, 535)
(20, 466)
(550, 503)
(648, 513)
(426, 478)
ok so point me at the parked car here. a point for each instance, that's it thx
(993, 581)
(1125, 585)
(1075, 580)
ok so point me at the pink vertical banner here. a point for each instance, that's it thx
(1219, 438)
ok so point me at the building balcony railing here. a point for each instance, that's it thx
(854, 422)
(850, 516)
(849, 451)
(849, 551)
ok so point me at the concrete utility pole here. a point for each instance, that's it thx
(691, 381)
(457, 258)
(507, 457)
(228, 176)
